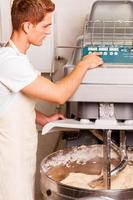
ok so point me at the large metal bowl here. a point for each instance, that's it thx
(57, 166)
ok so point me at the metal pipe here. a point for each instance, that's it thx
(107, 158)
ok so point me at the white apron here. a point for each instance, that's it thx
(18, 145)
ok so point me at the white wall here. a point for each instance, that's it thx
(5, 20)
(70, 16)
(42, 57)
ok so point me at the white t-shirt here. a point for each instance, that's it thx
(16, 72)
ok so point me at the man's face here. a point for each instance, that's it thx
(39, 31)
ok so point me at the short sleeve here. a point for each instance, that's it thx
(17, 72)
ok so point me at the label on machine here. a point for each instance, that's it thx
(120, 54)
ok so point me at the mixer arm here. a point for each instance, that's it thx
(120, 167)
(124, 157)
(122, 150)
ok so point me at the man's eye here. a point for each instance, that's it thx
(46, 26)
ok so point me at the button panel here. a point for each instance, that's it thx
(112, 54)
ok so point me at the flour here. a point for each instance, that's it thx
(80, 155)
(123, 180)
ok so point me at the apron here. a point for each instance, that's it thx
(18, 146)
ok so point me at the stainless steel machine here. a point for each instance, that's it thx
(104, 100)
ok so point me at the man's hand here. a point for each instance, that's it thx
(43, 119)
(91, 61)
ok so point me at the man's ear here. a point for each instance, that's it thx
(27, 26)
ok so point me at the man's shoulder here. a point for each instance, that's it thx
(7, 51)
(8, 55)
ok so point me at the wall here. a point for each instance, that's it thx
(5, 20)
(69, 17)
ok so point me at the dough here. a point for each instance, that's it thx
(123, 180)
(79, 180)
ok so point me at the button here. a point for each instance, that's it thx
(92, 48)
(114, 49)
(105, 53)
(115, 53)
(111, 53)
(103, 49)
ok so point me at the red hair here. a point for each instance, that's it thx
(29, 10)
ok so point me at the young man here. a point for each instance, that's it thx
(20, 85)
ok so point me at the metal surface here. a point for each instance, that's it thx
(107, 157)
(113, 26)
(104, 32)
(53, 189)
(72, 124)
(122, 150)
(111, 34)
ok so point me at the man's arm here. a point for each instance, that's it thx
(59, 92)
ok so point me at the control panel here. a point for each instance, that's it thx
(122, 54)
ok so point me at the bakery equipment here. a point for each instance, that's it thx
(87, 160)
(104, 100)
